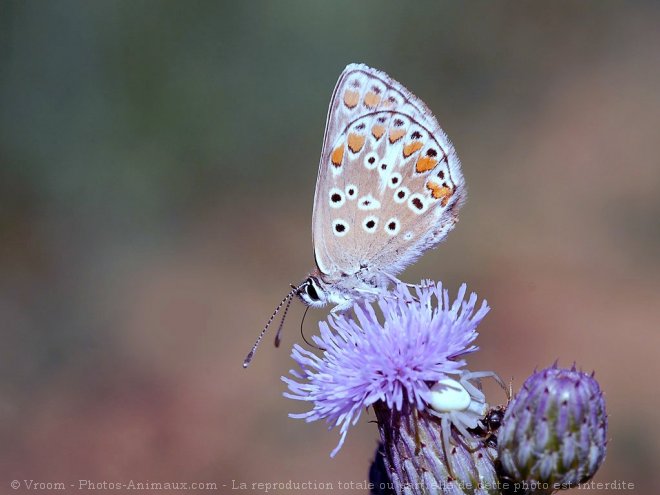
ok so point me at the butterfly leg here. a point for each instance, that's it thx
(395, 280)
(341, 308)
(424, 285)
(368, 291)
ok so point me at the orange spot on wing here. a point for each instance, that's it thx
(396, 134)
(425, 163)
(371, 99)
(355, 142)
(337, 155)
(351, 98)
(377, 131)
(440, 192)
(411, 148)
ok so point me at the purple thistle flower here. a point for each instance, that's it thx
(554, 431)
(421, 341)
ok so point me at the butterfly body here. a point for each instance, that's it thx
(343, 290)
(388, 189)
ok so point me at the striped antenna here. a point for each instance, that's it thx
(286, 310)
(287, 300)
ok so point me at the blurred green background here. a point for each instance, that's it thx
(157, 168)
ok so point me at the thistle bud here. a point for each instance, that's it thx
(554, 432)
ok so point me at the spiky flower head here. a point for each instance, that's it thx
(554, 431)
(416, 458)
(394, 358)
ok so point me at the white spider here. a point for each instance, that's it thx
(461, 404)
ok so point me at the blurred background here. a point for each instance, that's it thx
(157, 169)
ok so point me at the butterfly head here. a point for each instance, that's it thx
(313, 292)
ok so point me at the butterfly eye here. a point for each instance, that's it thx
(311, 290)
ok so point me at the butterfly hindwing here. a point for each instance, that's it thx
(389, 183)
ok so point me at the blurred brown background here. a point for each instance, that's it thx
(157, 167)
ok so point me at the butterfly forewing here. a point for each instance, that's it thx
(389, 183)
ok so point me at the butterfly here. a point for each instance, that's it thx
(388, 189)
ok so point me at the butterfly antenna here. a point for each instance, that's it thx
(250, 356)
(286, 310)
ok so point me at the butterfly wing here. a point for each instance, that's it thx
(389, 184)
